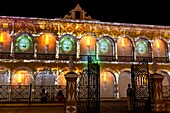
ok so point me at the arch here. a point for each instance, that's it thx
(46, 43)
(67, 44)
(22, 76)
(163, 39)
(110, 86)
(124, 46)
(160, 48)
(45, 77)
(87, 45)
(107, 83)
(5, 41)
(106, 46)
(4, 75)
(143, 47)
(61, 81)
(124, 80)
(23, 43)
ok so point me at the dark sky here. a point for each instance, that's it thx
(152, 12)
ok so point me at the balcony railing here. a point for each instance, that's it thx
(138, 59)
(28, 93)
(46, 56)
(5, 55)
(67, 56)
(125, 58)
(85, 57)
(107, 58)
(24, 56)
(162, 59)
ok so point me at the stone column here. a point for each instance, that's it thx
(156, 81)
(71, 95)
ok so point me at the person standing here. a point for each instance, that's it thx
(129, 98)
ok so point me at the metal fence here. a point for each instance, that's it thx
(29, 93)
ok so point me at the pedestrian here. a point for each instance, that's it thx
(129, 98)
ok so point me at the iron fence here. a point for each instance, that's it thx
(29, 93)
(143, 91)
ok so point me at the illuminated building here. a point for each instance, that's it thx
(37, 50)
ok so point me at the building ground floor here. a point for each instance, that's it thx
(114, 77)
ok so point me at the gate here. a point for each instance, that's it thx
(89, 89)
(141, 86)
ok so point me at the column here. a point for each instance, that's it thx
(156, 81)
(71, 95)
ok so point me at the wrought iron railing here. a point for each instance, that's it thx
(67, 56)
(125, 58)
(5, 55)
(143, 91)
(29, 93)
(140, 58)
(107, 58)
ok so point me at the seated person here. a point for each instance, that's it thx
(60, 96)
(44, 96)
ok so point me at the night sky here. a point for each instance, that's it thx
(151, 12)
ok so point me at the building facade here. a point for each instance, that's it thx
(37, 50)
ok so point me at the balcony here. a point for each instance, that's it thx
(28, 93)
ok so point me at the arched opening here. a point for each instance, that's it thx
(4, 76)
(87, 47)
(61, 81)
(107, 81)
(123, 81)
(45, 77)
(22, 77)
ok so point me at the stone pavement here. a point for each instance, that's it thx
(106, 106)
(115, 106)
